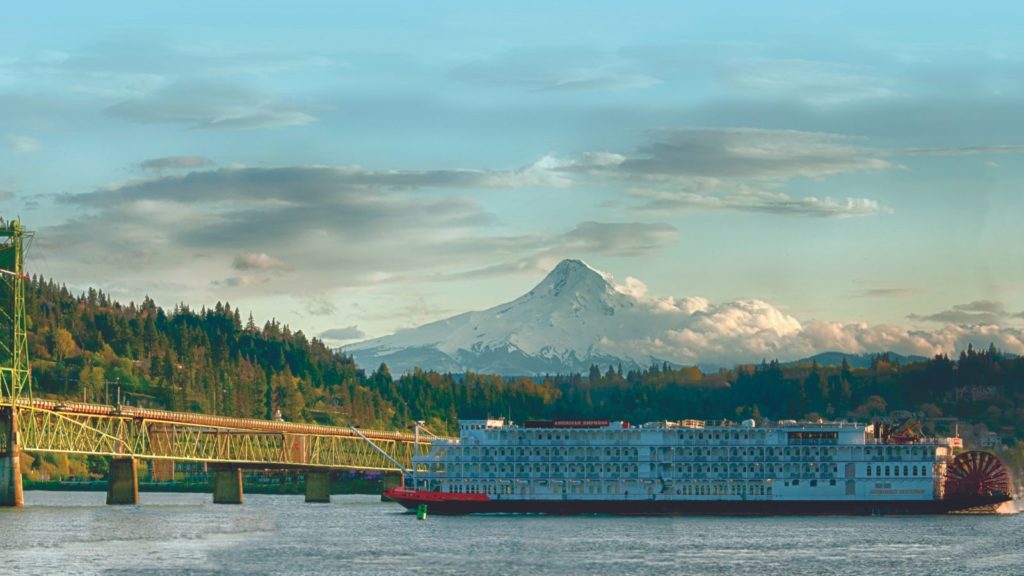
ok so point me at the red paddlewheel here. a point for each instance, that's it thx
(976, 473)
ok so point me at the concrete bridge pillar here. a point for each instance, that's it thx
(318, 486)
(227, 486)
(123, 481)
(10, 460)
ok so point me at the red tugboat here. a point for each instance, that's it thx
(692, 467)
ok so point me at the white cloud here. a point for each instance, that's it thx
(212, 105)
(735, 169)
(694, 330)
(746, 331)
(555, 70)
(259, 261)
(815, 82)
(749, 153)
(977, 313)
(320, 305)
(24, 144)
(158, 165)
(345, 334)
(764, 202)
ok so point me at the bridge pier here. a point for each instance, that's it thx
(318, 486)
(11, 493)
(227, 486)
(123, 481)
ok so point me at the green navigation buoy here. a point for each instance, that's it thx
(421, 512)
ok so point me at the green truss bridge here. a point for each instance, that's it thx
(128, 434)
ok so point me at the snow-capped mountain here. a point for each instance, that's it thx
(578, 317)
(574, 318)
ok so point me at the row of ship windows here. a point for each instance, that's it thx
(911, 470)
(677, 452)
(626, 468)
(886, 471)
(629, 435)
(689, 489)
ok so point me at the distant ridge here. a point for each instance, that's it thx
(855, 360)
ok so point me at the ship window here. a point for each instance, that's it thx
(915, 470)
(904, 470)
(887, 471)
(878, 470)
(796, 482)
(814, 482)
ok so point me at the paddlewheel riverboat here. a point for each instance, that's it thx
(692, 467)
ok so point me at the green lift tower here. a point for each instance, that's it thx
(15, 372)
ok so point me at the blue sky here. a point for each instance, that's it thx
(355, 168)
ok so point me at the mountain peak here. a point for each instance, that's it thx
(572, 319)
(572, 265)
(572, 276)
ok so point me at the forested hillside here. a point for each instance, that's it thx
(86, 346)
(218, 360)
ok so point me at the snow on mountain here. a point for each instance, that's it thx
(578, 316)
(575, 317)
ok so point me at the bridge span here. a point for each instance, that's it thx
(229, 445)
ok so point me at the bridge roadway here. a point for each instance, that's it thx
(128, 433)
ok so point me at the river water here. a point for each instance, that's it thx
(76, 533)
